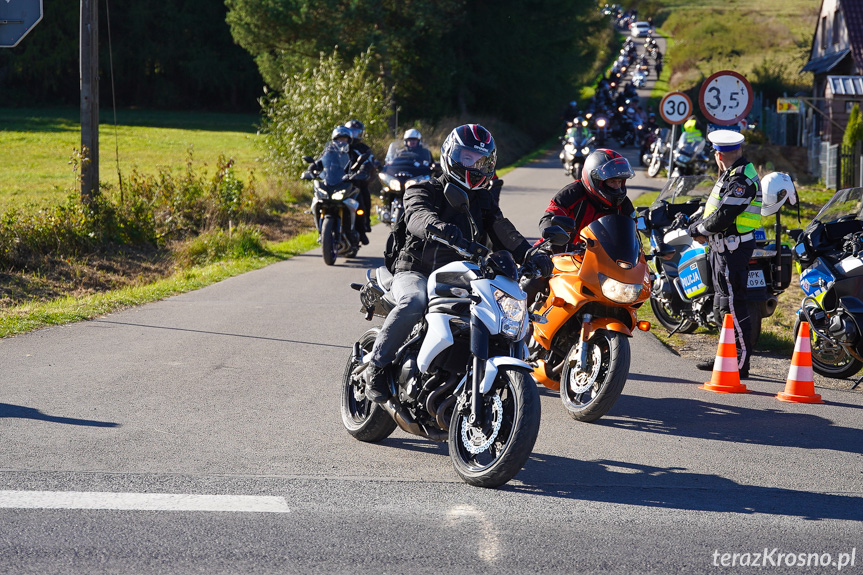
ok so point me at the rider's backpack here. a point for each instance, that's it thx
(395, 242)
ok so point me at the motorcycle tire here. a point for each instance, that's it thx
(576, 171)
(492, 454)
(589, 396)
(755, 318)
(830, 360)
(364, 419)
(668, 320)
(328, 240)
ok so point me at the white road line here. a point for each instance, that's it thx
(141, 501)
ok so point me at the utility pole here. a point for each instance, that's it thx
(89, 99)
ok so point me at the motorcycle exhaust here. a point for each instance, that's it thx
(407, 423)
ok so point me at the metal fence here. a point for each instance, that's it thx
(849, 166)
(829, 164)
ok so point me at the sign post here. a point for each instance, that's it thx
(17, 18)
(674, 108)
(89, 99)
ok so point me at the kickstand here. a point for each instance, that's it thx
(858, 383)
(672, 332)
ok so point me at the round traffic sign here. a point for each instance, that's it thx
(725, 98)
(675, 107)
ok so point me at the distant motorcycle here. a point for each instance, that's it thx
(690, 158)
(656, 156)
(334, 205)
(575, 150)
(405, 170)
(829, 253)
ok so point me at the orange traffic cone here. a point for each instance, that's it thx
(800, 387)
(726, 376)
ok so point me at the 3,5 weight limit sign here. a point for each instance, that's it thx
(725, 98)
(675, 108)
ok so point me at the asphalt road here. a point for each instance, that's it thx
(233, 390)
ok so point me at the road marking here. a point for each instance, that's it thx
(141, 501)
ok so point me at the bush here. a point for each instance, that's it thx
(854, 128)
(298, 120)
(209, 247)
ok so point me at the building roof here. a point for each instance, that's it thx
(825, 63)
(852, 10)
(845, 85)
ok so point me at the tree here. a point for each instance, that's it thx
(854, 128)
(299, 118)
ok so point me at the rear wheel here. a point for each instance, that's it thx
(364, 419)
(328, 239)
(589, 394)
(491, 454)
(828, 359)
(755, 318)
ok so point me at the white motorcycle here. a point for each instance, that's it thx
(462, 374)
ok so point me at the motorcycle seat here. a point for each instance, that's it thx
(384, 277)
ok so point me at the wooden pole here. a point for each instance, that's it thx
(89, 99)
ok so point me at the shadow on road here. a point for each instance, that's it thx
(627, 483)
(20, 412)
(221, 333)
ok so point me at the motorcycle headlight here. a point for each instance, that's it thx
(338, 196)
(684, 158)
(585, 150)
(513, 312)
(394, 184)
(600, 123)
(618, 291)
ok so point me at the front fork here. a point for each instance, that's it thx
(479, 337)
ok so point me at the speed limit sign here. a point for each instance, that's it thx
(725, 98)
(675, 107)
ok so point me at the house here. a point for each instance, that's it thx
(836, 60)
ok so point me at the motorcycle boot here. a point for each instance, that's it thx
(377, 384)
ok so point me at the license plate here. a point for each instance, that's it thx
(756, 279)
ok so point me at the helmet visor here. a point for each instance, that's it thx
(614, 168)
(482, 161)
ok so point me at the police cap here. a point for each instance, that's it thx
(725, 140)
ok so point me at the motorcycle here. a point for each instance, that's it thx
(690, 158)
(335, 205)
(406, 169)
(462, 374)
(656, 156)
(575, 150)
(582, 348)
(682, 294)
(829, 255)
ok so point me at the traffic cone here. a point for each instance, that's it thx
(800, 387)
(726, 376)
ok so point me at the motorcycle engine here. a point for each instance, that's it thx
(843, 329)
(407, 377)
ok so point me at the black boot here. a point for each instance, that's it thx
(706, 365)
(377, 384)
(364, 239)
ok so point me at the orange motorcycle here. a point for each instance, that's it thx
(581, 344)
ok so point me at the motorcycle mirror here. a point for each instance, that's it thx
(308, 159)
(565, 222)
(556, 235)
(456, 197)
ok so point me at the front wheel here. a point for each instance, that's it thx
(669, 319)
(828, 359)
(364, 419)
(588, 395)
(328, 239)
(653, 168)
(491, 454)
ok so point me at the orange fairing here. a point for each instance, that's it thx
(576, 281)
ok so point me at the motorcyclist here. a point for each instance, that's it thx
(691, 133)
(412, 147)
(579, 129)
(358, 148)
(468, 158)
(732, 213)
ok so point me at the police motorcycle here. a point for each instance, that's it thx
(829, 256)
(461, 376)
(577, 145)
(690, 157)
(335, 205)
(682, 291)
(404, 168)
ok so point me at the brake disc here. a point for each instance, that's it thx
(581, 381)
(474, 438)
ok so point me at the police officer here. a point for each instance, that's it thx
(732, 213)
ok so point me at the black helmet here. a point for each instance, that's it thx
(601, 165)
(468, 156)
(357, 128)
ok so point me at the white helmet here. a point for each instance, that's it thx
(777, 188)
(413, 133)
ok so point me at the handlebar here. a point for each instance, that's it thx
(466, 248)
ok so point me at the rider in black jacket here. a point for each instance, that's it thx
(468, 158)
(358, 148)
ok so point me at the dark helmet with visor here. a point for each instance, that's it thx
(357, 128)
(602, 165)
(468, 156)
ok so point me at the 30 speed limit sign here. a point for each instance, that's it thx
(725, 98)
(675, 107)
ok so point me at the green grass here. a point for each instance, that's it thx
(41, 143)
(24, 318)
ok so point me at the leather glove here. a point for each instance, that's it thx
(542, 263)
(451, 232)
(692, 230)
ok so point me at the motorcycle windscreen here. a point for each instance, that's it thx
(682, 189)
(335, 165)
(847, 204)
(618, 237)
